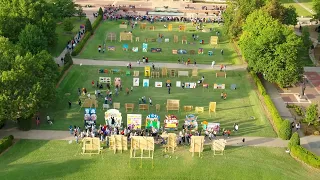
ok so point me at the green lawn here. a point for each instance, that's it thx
(64, 37)
(300, 10)
(34, 159)
(240, 105)
(91, 49)
(307, 3)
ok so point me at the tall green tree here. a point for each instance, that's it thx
(80, 12)
(316, 8)
(236, 13)
(305, 36)
(32, 39)
(271, 49)
(68, 25)
(312, 115)
(27, 83)
(16, 14)
(100, 12)
(88, 26)
(285, 15)
(64, 8)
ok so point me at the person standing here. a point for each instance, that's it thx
(69, 102)
(213, 63)
(150, 101)
(236, 127)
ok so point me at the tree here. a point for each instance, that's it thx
(316, 8)
(32, 39)
(271, 49)
(27, 83)
(68, 25)
(236, 13)
(100, 12)
(276, 10)
(312, 115)
(68, 58)
(80, 12)
(290, 16)
(88, 26)
(64, 8)
(305, 36)
(15, 15)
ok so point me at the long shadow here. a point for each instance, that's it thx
(20, 150)
(43, 170)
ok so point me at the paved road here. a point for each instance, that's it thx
(65, 135)
(168, 65)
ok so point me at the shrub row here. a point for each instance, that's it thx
(67, 63)
(96, 23)
(5, 143)
(282, 127)
(81, 44)
(86, 37)
(306, 156)
(302, 153)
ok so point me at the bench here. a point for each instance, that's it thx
(157, 107)
(187, 108)
(105, 106)
(116, 105)
(221, 74)
(129, 106)
(199, 109)
(150, 40)
(115, 71)
(183, 73)
(143, 107)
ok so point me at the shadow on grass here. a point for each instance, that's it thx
(43, 170)
(20, 150)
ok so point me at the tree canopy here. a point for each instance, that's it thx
(238, 10)
(236, 13)
(316, 8)
(16, 14)
(285, 15)
(64, 8)
(33, 39)
(271, 49)
(27, 81)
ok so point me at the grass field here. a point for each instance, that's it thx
(307, 3)
(64, 37)
(240, 105)
(91, 49)
(33, 159)
(300, 10)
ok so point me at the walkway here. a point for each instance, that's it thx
(157, 65)
(304, 7)
(65, 135)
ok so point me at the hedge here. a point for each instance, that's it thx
(294, 140)
(81, 44)
(5, 143)
(86, 37)
(285, 130)
(275, 116)
(67, 63)
(305, 156)
(96, 23)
